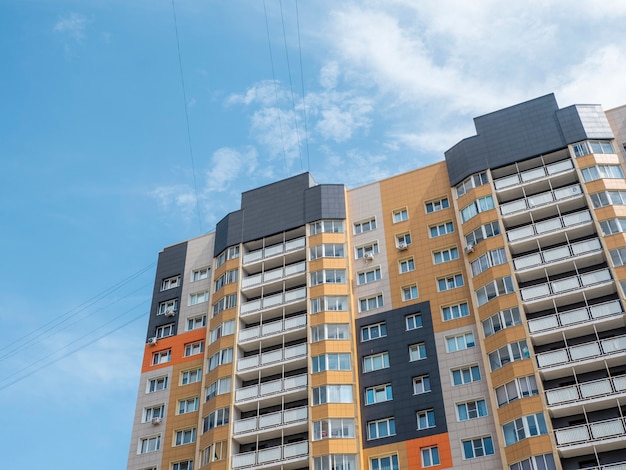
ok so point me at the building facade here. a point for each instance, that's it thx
(468, 314)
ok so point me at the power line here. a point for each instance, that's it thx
(182, 81)
(306, 131)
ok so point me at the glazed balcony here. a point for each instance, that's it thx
(586, 396)
(272, 330)
(270, 422)
(271, 252)
(283, 457)
(601, 436)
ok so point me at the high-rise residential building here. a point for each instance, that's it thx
(468, 314)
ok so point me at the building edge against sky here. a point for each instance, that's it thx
(465, 314)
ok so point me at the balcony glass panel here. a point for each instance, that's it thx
(528, 261)
(520, 233)
(567, 192)
(270, 420)
(595, 388)
(297, 449)
(544, 323)
(269, 388)
(251, 281)
(562, 395)
(506, 181)
(296, 244)
(245, 425)
(514, 206)
(533, 174)
(560, 167)
(269, 455)
(608, 308)
(274, 250)
(556, 253)
(563, 285)
(586, 246)
(584, 351)
(534, 292)
(619, 383)
(614, 344)
(571, 435)
(574, 316)
(244, 460)
(552, 358)
(540, 199)
(614, 427)
(297, 414)
(595, 277)
(577, 218)
(548, 226)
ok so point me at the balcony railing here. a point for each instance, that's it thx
(274, 250)
(534, 174)
(272, 357)
(550, 225)
(610, 466)
(582, 352)
(591, 432)
(557, 254)
(587, 390)
(274, 387)
(567, 284)
(541, 199)
(273, 300)
(573, 317)
(271, 420)
(273, 275)
(273, 328)
(283, 453)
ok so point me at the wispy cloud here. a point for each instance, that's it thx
(73, 25)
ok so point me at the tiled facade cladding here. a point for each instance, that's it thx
(496, 275)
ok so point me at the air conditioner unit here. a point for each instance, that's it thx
(170, 312)
(152, 341)
(402, 246)
(469, 248)
(156, 420)
(368, 256)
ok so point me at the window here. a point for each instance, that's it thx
(400, 215)
(194, 348)
(334, 429)
(508, 353)
(618, 256)
(592, 146)
(536, 462)
(224, 356)
(376, 362)
(378, 394)
(608, 198)
(438, 205)
(328, 276)
(407, 265)
(430, 456)
(465, 375)
(441, 229)
(369, 276)
(521, 428)
(409, 292)
(425, 419)
(191, 376)
(471, 410)
(196, 322)
(445, 255)
(365, 226)
(219, 387)
(226, 328)
(226, 302)
(167, 307)
(184, 465)
(413, 321)
(472, 182)
(481, 233)
(186, 436)
(188, 406)
(612, 226)
(460, 342)
(489, 259)
(331, 303)
(421, 384)
(501, 320)
(214, 452)
(493, 289)
(199, 274)
(331, 361)
(477, 447)
(450, 282)
(330, 331)
(157, 384)
(384, 463)
(403, 240)
(152, 412)
(381, 428)
(371, 303)
(597, 172)
(367, 250)
(417, 352)
(198, 297)
(227, 278)
(165, 331)
(519, 388)
(452, 312)
(149, 444)
(377, 330)
(217, 418)
(326, 226)
(170, 283)
(332, 394)
(476, 207)
(326, 250)
(228, 254)
(335, 462)
(161, 357)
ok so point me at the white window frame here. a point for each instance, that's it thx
(421, 384)
(474, 181)
(373, 331)
(327, 250)
(192, 349)
(149, 448)
(378, 394)
(373, 362)
(409, 263)
(369, 276)
(503, 319)
(328, 276)
(161, 357)
(417, 352)
(520, 387)
(488, 230)
(482, 204)
(331, 361)
(200, 274)
(430, 456)
(188, 405)
(511, 352)
(330, 331)
(332, 394)
(164, 331)
(445, 256)
(167, 306)
(410, 293)
(524, 427)
(371, 303)
(183, 465)
(326, 226)
(221, 386)
(184, 436)
(195, 323)
(496, 288)
(153, 411)
(471, 371)
(388, 462)
(364, 226)
(388, 425)
(403, 238)
(437, 205)
(439, 230)
(198, 298)
(453, 312)
(157, 384)
(223, 356)
(413, 321)
(400, 215)
(191, 376)
(425, 419)
(479, 448)
(369, 249)
(473, 409)
(460, 342)
(170, 283)
(450, 282)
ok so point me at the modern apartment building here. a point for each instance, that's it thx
(468, 314)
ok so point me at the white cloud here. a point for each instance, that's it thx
(329, 74)
(265, 93)
(73, 25)
(339, 119)
(228, 165)
(178, 197)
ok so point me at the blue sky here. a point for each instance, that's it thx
(96, 169)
